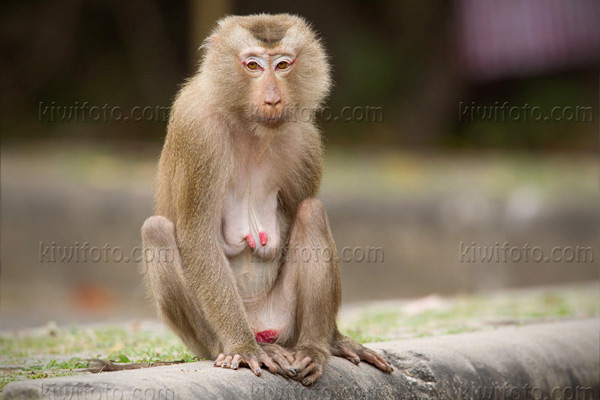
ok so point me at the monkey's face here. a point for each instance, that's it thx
(266, 72)
(265, 69)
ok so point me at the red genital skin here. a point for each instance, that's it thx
(268, 336)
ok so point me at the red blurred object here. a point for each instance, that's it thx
(91, 298)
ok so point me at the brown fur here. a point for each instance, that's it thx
(215, 134)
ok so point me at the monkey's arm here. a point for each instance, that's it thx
(196, 183)
(307, 170)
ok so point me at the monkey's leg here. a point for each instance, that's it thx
(312, 275)
(177, 305)
(313, 256)
(164, 277)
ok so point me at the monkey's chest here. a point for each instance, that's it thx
(251, 238)
(250, 219)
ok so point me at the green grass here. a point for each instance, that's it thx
(440, 316)
(62, 352)
(113, 342)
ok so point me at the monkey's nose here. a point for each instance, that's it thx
(272, 102)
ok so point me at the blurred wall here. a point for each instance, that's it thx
(447, 164)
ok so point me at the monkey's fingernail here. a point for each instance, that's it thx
(293, 371)
(258, 371)
(225, 363)
(234, 366)
(356, 360)
(305, 382)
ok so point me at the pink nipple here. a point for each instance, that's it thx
(250, 240)
(263, 237)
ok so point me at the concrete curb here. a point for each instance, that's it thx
(546, 361)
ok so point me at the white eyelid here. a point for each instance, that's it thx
(261, 63)
(282, 58)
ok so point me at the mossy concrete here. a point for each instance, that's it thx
(556, 360)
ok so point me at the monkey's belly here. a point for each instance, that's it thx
(269, 314)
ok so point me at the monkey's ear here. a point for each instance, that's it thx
(207, 42)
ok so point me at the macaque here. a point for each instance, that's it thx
(235, 207)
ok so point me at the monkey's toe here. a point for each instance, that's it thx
(355, 352)
(375, 359)
(347, 353)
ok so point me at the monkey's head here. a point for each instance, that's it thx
(266, 69)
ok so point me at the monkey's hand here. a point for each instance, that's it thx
(309, 363)
(252, 358)
(350, 349)
(283, 359)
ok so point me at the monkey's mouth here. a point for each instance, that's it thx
(271, 121)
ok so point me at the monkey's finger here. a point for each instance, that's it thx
(305, 372)
(316, 374)
(278, 370)
(227, 362)
(284, 365)
(281, 360)
(219, 360)
(268, 362)
(236, 361)
(254, 365)
(299, 365)
(288, 356)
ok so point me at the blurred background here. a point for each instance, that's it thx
(484, 136)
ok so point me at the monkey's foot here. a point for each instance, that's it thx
(253, 361)
(282, 357)
(308, 364)
(355, 352)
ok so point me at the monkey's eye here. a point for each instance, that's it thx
(283, 65)
(253, 64)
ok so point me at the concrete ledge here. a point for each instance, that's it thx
(547, 361)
